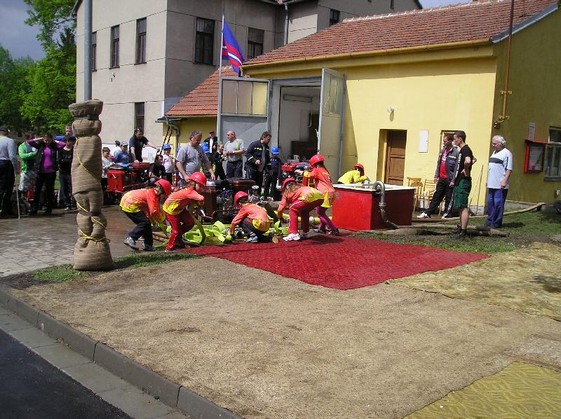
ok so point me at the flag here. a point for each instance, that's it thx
(230, 48)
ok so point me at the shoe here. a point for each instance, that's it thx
(321, 230)
(292, 237)
(460, 235)
(304, 235)
(445, 215)
(129, 241)
(334, 232)
(252, 239)
(67, 209)
(148, 248)
(423, 215)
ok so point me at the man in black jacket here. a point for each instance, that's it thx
(258, 159)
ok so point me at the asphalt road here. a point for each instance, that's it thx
(30, 387)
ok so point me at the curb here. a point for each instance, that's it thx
(168, 392)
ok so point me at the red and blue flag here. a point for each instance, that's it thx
(230, 48)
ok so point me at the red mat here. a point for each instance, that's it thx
(340, 262)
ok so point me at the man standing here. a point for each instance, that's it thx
(258, 158)
(500, 168)
(443, 176)
(190, 157)
(137, 143)
(462, 182)
(8, 167)
(234, 150)
(215, 156)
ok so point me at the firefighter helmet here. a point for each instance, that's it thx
(198, 177)
(165, 185)
(286, 182)
(359, 167)
(315, 159)
(239, 195)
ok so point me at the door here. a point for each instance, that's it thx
(332, 107)
(395, 157)
(243, 107)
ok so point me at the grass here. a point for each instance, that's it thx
(522, 228)
(64, 273)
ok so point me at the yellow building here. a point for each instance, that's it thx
(381, 91)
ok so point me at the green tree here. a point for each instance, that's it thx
(52, 17)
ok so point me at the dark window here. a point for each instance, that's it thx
(139, 115)
(114, 61)
(334, 16)
(204, 41)
(93, 52)
(141, 41)
(254, 42)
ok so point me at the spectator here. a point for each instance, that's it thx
(46, 166)
(354, 176)
(27, 154)
(116, 149)
(443, 176)
(462, 182)
(300, 200)
(169, 162)
(156, 170)
(251, 217)
(176, 209)
(64, 160)
(273, 174)
(190, 158)
(258, 159)
(233, 151)
(105, 165)
(8, 168)
(137, 143)
(123, 156)
(500, 169)
(217, 162)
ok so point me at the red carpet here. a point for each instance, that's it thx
(340, 262)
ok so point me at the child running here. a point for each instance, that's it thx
(251, 217)
(176, 209)
(320, 179)
(142, 206)
(300, 200)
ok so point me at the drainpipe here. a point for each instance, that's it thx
(503, 117)
(379, 186)
(285, 23)
(87, 50)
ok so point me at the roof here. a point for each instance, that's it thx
(203, 99)
(478, 21)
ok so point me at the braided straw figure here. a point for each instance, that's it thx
(91, 252)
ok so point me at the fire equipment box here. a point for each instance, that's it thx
(357, 206)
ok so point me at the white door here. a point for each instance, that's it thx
(332, 108)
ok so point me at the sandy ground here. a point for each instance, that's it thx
(266, 346)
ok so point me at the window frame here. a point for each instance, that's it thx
(140, 48)
(334, 17)
(93, 52)
(139, 114)
(114, 47)
(204, 41)
(255, 41)
(552, 158)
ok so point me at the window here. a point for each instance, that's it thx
(140, 41)
(255, 42)
(139, 115)
(334, 16)
(114, 60)
(552, 167)
(243, 97)
(204, 41)
(93, 52)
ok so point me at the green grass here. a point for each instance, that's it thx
(64, 273)
(522, 229)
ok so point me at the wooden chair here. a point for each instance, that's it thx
(417, 183)
(429, 186)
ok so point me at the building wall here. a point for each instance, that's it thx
(534, 82)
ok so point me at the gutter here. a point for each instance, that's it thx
(523, 25)
(365, 54)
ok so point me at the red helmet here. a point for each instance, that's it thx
(198, 177)
(316, 158)
(359, 166)
(286, 182)
(165, 185)
(239, 195)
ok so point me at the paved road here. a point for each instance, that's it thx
(30, 387)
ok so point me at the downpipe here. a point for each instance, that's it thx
(381, 188)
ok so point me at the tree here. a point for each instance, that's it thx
(52, 17)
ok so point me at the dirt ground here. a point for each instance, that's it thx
(266, 346)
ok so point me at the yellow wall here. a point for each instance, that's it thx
(186, 126)
(536, 97)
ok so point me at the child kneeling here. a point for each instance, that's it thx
(251, 217)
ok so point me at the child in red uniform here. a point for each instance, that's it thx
(253, 218)
(175, 209)
(320, 179)
(300, 200)
(142, 206)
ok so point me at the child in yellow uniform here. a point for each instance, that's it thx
(252, 218)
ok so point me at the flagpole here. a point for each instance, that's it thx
(221, 48)
(219, 98)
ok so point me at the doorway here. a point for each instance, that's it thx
(395, 157)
